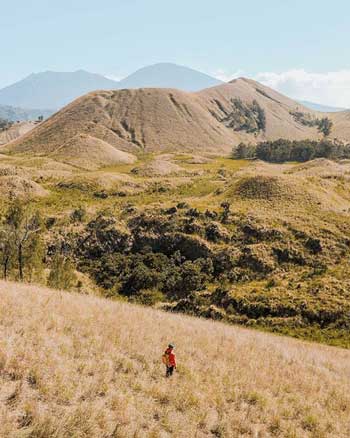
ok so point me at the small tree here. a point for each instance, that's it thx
(243, 151)
(22, 229)
(62, 274)
(34, 258)
(7, 252)
(226, 211)
(325, 126)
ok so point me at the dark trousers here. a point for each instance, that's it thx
(169, 371)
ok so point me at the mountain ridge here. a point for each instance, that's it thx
(55, 90)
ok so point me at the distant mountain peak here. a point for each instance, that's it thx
(169, 75)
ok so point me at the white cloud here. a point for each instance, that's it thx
(330, 88)
(113, 77)
(227, 75)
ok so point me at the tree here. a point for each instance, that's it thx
(325, 126)
(226, 211)
(7, 252)
(243, 151)
(34, 258)
(62, 274)
(22, 228)
(260, 114)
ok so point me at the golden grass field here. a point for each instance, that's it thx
(81, 366)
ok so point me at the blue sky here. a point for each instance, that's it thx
(260, 39)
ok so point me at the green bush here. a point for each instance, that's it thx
(62, 274)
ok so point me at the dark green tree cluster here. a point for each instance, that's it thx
(131, 274)
(246, 117)
(324, 125)
(283, 150)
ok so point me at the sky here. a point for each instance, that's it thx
(300, 47)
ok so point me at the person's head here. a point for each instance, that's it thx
(171, 346)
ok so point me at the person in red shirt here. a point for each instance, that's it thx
(169, 360)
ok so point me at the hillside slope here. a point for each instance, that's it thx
(74, 365)
(16, 131)
(168, 120)
(141, 120)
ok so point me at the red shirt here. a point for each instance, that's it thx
(171, 357)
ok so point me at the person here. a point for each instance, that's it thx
(169, 360)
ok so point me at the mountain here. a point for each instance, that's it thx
(168, 75)
(52, 90)
(15, 114)
(156, 120)
(77, 365)
(55, 89)
(321, 108)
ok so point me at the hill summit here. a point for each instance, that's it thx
(168, 120)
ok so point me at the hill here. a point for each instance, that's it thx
(74, 365)
(167, 120)
(168, 75)
(91, 153)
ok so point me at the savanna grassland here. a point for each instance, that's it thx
(247, 242)
(83, 366)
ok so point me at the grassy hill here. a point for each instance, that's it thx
(155, 120)
(82, 366)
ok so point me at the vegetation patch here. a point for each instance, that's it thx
(283, 150)
(248, 117)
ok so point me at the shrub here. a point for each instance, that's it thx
(148, 297)
(62, 274)
(78, 215)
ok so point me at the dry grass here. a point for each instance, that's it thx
(166, 120)
(78, 366)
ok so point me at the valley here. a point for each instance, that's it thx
(247, 242)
